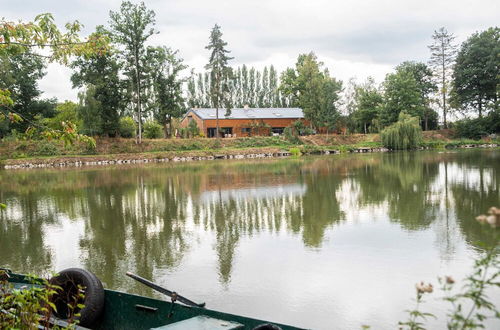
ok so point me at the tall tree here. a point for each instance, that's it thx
(131, 27)
(20, 75)
(476, 79)
(425, 85)
(103, 74)
(443, 52)
(314, 90)
(165, 68)
(329, 107)
(368, 102)
(401, 93)
(273, 88)
(90, 111)
(220, 72)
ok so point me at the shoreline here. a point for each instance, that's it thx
(200, 155)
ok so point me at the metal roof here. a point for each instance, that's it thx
(250, 113)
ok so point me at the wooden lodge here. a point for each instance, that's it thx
(243, 121)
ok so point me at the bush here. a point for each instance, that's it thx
(152, 130)
(404, 134)
(32, 306)
(479, 127)
(295, 152)
(46, 148)
(193, 129)
(127, 127)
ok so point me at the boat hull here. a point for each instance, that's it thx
(128, 311)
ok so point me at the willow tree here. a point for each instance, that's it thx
(220, 72)
(404, 134)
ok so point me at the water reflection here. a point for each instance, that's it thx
(143, 219)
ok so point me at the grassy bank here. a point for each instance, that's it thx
(17, 152)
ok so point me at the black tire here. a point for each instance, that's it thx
(267, 326)
(69, 280)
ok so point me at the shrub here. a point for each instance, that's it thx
(46, 148)
(32, 306)
(193, 129)
(127, 127)
(404, 134)
(152, 130)
(479, 127)
(295, 152)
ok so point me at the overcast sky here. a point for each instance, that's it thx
(354, 38)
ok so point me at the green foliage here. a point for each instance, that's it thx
(401, 94)
(369, 103)
(479, 127)
(164, 69)
(127, 127)
(90, 111)
(405, 134)
(295, 152)
(193, 129)
(65, 112)
(101, 75)
(46, 148)
(313, 89)
(32, 306)
(131, 27)
(152, 130)
(476, 76)
(220, 72)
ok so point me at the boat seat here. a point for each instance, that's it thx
(201, 322)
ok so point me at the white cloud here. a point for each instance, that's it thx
(354, 38)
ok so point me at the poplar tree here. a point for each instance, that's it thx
(131, 27)
(443, 52)
(273, 88)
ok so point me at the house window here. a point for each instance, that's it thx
(226, 130)
(277, 130)
(190, 119)
(246, 130)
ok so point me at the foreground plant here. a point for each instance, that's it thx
(471, 307)
(32, 306)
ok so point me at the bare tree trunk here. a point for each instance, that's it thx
(443, 91)
(217, 122)
(138, 87)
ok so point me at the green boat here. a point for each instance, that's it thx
(108, 309)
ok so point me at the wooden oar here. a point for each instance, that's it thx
(171, 294)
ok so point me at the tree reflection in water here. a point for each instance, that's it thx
(142, 219)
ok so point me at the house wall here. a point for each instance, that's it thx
(185, 122)
(237, 124)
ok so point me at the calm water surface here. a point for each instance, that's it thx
(333, 242)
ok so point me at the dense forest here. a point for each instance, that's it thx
(128, 88)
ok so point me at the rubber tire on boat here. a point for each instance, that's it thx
(68, 280)
(267, 326)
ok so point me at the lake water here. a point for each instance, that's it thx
(330, 242)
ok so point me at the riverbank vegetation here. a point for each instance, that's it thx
(16, 150)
